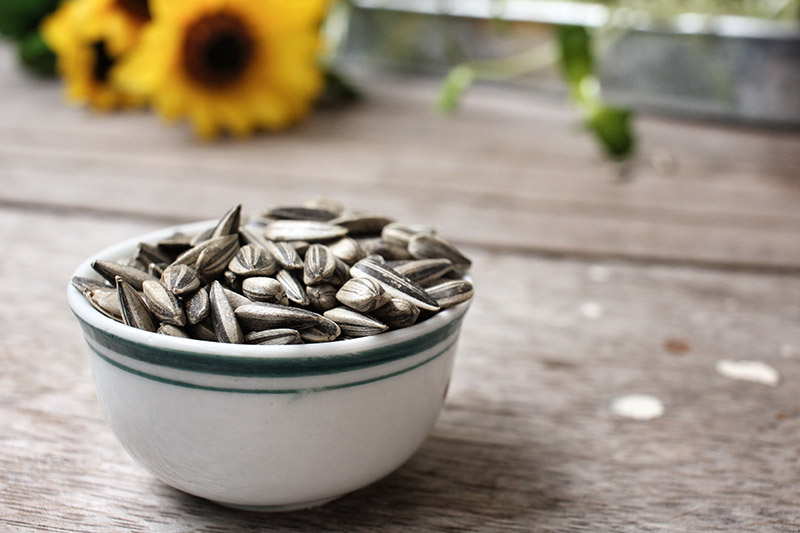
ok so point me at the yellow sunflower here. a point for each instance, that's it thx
(88, 38)
(233, 65)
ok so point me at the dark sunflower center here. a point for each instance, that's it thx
(102, 62)
(217, 49)
(138, 9)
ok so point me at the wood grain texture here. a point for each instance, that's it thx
(526, 440)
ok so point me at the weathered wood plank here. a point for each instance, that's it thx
(525, 441)
(539, 185)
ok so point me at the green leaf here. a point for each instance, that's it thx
(612, 127)
(338, 91)
(576, 53)
(20, 17)
(455, 85)
(36, 55)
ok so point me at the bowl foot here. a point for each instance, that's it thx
(279, 508)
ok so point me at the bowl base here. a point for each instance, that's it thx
(279, 508)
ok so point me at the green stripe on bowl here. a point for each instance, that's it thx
(179, 383)
(266, 366)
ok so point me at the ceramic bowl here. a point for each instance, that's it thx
(267, 427)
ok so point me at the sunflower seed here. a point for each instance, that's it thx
(320, 264)
(285, 254)
(197, 307)
(375, 258)
(261, 289)
(451, 293)
(149, 253)
(202, 331)
(273, 336)
(214, 259)
(295, 291)
(156, 269)
(325, 331)
(175, 245)
(398, 313)
(236, 300)
(190, 256)
(321, 297)
(250, 235)
(202, 236)
(162, 303)
(387, 250)
(172, 331)
(232, 281)
(229, 223)
(328, 204)
(131, 275)
(355, 324)
(347, 249)
(430, 247)
(84, 284)
(105, 300)
(363, 294)
(341, 274)
(425, 270)
(132, 307)
(226, 327)
(397, 285)
(302, 230)
(258, 316)
(361, 224)
(180, 279)
(252, 261)
(300, 213)
(399, 234)
(133, 262)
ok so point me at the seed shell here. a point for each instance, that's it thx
(425, 270)
(84, 284)
(229, 223)
(172, 331)
(302, 230)
(398, 313)
(133, 309)
(197, 307)
(361, 224)
(105, 300)
(180, 279)
(295, 291)
(355, 324)
(258, 316)
(325, 331)
(273, 337)
(214, 259)
(430, 247)
(262, 289)
(451, 293)
(300, 213)
(322, 297)
(149, 253)
(363, 294)
(285, 254)
(347, 249)
(397, 285)
(129, 274)
(236, 300)
(399, 234)
(320, 264)
(226, 326)
(162, 303)
(252, 260)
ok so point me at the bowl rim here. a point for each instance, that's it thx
(336, 355)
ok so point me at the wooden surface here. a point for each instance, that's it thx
(584, 288)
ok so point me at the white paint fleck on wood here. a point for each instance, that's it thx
(754, 371)
(637, 407)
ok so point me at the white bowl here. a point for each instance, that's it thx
(267, 427)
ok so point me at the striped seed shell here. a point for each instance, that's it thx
(451, 293)
(251, 235)
(172, 331)
(215, 258)
(175, 245)
(129, 274)
(388, 250)
(252, 260)
(398, 313)
(149, 253)
(190, 256)
(285, 254)
(156, 269)
(295, 291)
(226, 326)
(320, 264)
(425, 270)
(232, 281)
(83, 284)
(105, 300)
(347, 249)
(301, 247)
(322, 297)
(355, 324)
(201, 236)
(202, 331)
(258, 316)
(341, 275)
(399, 234)
(397, 285)
(198, 307)
(300, 213)
(133, 309)
(180, 279)
(363, 294)
(163, 304)
(236, 300)
(273, 337)
(229, 223)
(430, 247)
(261, 289)
(325, 331)
(360, 223)
(302, 230)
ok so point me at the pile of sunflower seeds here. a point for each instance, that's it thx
(291, 275)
